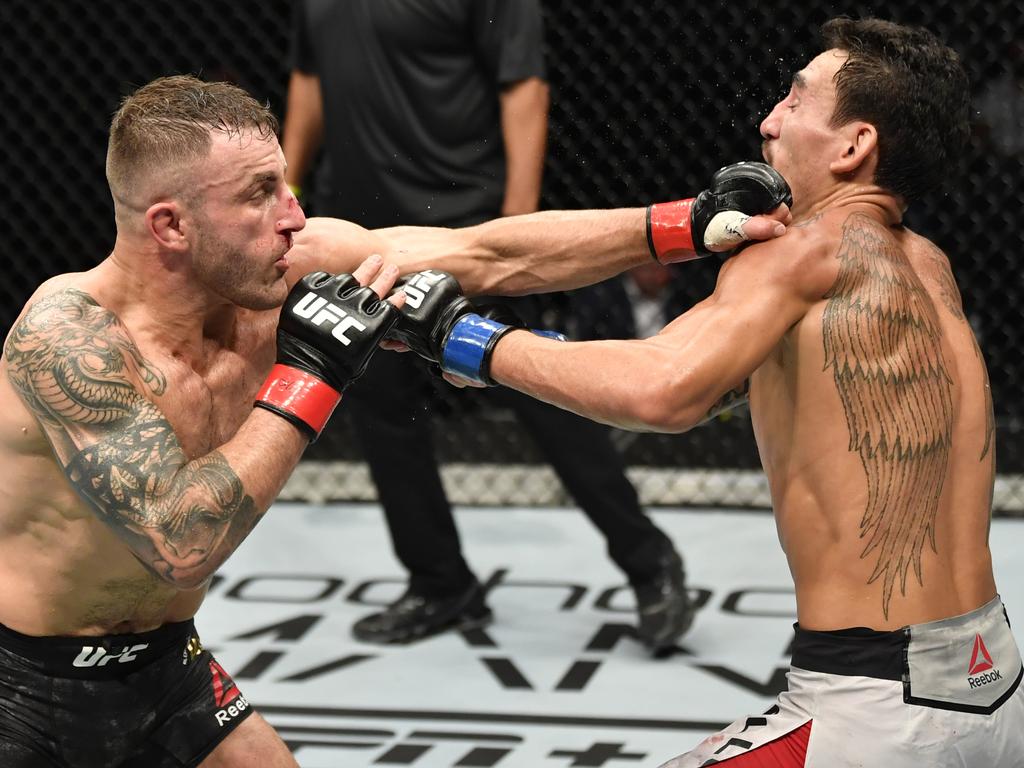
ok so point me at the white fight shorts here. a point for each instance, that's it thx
(946, 694)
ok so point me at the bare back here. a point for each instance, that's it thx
(873, 418)
(65, 565)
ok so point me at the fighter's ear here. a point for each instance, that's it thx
(860, 143)
(165, 225)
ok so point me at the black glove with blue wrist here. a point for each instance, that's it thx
(440, 324)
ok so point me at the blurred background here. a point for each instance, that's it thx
(647, 100)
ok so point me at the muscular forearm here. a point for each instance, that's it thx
(553, 250)
(183, 518)
(630, 384)
(698, 364)
(538, 252)
(216, 501)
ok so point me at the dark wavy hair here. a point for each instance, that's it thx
(913, 89)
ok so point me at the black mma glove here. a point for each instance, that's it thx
(328, 329)
(684, 229)
(440, 324)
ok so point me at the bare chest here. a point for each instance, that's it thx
(206, 399)
(207, 407)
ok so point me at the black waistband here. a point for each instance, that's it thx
(854, 651)
(99, 657)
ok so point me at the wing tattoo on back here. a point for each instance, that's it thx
(881, 336)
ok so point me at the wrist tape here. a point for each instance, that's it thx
(300, 397)
(468, 347)
(670, 233)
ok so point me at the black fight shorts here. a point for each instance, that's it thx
(121, 701)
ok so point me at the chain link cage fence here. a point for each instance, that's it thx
(648, 99)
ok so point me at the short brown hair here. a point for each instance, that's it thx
(167, 122)
(913, 89)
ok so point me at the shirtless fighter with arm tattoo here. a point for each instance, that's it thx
(134, 463)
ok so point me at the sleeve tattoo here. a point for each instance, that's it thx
(881, 335)
(78, 370)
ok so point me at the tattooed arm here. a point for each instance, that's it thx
(78, 370)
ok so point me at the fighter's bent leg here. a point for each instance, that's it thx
(253, 744)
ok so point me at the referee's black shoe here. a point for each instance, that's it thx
(664, 609)
(413, 616)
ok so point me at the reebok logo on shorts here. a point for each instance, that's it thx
(224, 689)
(978, 673)
(983, 664)
(226, 695)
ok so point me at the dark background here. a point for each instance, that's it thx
(648, 99)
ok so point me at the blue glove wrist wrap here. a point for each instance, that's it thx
(466, 346)
(469, 343)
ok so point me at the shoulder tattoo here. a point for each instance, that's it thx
(70, 359)
(948, 291)
(78, 369)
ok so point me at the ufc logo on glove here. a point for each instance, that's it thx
(419, 286)
(319, 310)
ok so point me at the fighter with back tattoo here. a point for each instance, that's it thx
(870, 404)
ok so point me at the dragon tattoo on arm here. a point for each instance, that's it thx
(81, 374)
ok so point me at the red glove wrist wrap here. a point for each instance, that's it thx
(301, 394)
(668, 231)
